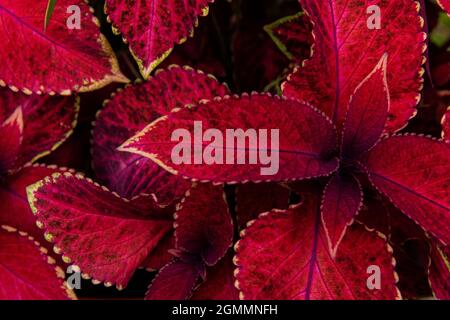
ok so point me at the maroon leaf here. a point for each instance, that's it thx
(26, 272)
(175, 281)
(341, 60)
(161, 256)
(153, 27)
(106, 236)
(305, 140)
(293, 36)
(11, 135)
(440, 271)
(14, 208)
(128, 112)
(203, 225)
(59, 59)
(367, 112)
(219, 282)
(47, 122)
(414, 172)
(252, 199)
(341, 202)
(284, 256)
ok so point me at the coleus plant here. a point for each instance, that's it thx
(30, 128)
(338, 119)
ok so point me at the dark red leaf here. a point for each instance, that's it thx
(414, 173)
(367, 113)
(440, 271)
(153, 27)
(341, 202)
(11, 135)
(284, 256)
(106, 236)
(341, 60)
(203, 225)
(128, 112)
(445, 5)
(59, 59)
(305, 140)
(26, 272)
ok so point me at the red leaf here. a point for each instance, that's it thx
(26, 273)
(367, 112)
(440, 271)
(203, 225)
(128, 112)
(445, 5)
(252, 199)
(414, 172)
(153, 27)
(11, 135)
(175, 281)
(47, 122)
(446, 126)
(341, 202)
(293, 36)
(161, 256)
(106, 236)
(341, 60)
(58, 60)
(304, 140)
(219, 282)
(14, 208)
(284, 256)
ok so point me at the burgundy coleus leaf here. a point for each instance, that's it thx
(203, 225)
(413, 172)
(106, 236)
(341, 202)
(367, 112)
(340, 60)
(11, 135)
(128, 112)
(153, 27)
(204, 233)
(445, 5)
(446, 126)
(297, 136)
(176, 280)
(60, 59)
(26, 272)
(219, 282)
(14, 208)
(440, 271)
(44, 122)
(284, 255)
(161, 256)
(293, 36)
(252, 199)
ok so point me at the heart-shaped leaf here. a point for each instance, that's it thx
(26, 272)
(128, 112)
(340, 60)
(284, 255)
(106, 236)
(298, 137)
(414, 172)
(153, 27)
(70, 55)
(47, 122)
